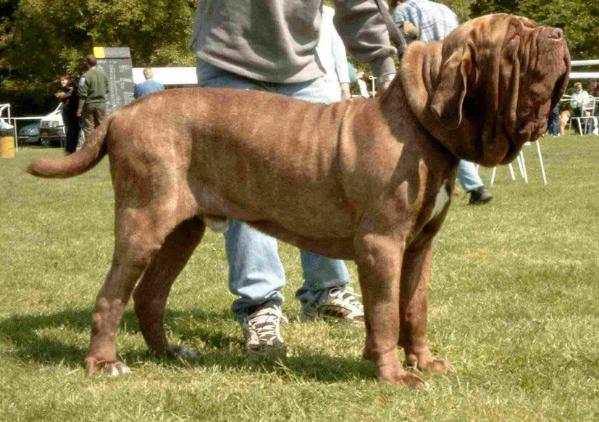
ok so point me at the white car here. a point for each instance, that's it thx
(4, 125)
(52, 129)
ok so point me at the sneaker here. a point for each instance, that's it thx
(341, 303)
(261, 331)
(479, 196)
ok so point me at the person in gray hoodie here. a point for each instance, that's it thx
(270, 45)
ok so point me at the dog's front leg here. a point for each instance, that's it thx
(415, 281)
(379, 260)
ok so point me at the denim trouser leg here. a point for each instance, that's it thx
(468, 176)
(320, 275)
(553, 127)
(256, 274)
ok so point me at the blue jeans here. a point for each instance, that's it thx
(256, 274)
(468, 176)
(553, 126)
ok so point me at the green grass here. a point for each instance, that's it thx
(514, 307)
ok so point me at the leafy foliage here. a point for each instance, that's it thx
(42, 39)
(578, 18)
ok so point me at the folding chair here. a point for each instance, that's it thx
(522, 166)
(587, 116)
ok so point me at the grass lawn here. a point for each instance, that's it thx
(514, 307)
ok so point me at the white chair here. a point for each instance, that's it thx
(587, 117)
(373, 83)
(522, 166)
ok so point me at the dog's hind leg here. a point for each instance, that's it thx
(139, 236)
(152, 292)
(415, 281)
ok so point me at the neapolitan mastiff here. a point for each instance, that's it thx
(368, 180)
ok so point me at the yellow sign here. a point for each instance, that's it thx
(99, 52)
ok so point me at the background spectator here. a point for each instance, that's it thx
(432, 22)
(69, 98)
(553, 126)
(93, 89)
(148, 86)
(332, 57)
(357, 76)
(580, 101)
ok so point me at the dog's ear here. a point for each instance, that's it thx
(448, 97)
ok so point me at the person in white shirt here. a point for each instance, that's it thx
(580, 100)
(332, 57)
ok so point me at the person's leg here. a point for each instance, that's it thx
(472, 183)
(256, 274)
(468, 176)
(554, 129)
(67, 131)
(577, 112)
(72, 133)
(325, 279)
(100, 115)
(96, 115)
(88, 121)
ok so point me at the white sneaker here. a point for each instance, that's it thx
(261, 331)
(341, 303)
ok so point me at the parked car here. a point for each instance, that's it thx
(52, 128)
(29, 134)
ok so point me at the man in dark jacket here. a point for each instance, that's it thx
(93, 89)
(69, 98)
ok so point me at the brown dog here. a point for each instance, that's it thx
(368, 180)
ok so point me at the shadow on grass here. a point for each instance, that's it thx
(31, 343)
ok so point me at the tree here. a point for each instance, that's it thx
(46, 38)
(578, 18)
(42, 39)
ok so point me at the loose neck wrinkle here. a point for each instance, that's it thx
(419, 73)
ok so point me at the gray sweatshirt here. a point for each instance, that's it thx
(275, 40)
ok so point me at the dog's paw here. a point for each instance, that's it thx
(401, 377)
(113, 368)
(436, 366)
(182, 352)
(428, 364)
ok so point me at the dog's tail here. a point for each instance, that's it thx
(90, 154)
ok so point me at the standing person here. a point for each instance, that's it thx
(429, 21)
(553, 126)
(93, 89)
(148, 86)
(270, 45)
(333, 58)
(69, 98)
(357, 76)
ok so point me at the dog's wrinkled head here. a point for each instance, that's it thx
(490, 85)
